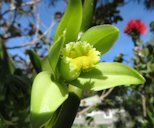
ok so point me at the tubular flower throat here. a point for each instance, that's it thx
(76, 57)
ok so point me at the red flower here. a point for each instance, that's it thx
(135, 27)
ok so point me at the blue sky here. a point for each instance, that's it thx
(123, 44)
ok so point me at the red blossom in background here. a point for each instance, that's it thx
(136, 27)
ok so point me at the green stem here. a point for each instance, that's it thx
(68, 110)
(136, 40)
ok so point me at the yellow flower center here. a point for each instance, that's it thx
(78, 56)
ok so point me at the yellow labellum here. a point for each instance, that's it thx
(76, 57)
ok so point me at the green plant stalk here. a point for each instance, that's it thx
(68, 110)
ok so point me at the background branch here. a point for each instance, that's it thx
(102, 98)
(36, 39)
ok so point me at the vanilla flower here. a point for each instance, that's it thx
(77, 57)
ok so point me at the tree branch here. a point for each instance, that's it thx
(30, 3)
(143, 105)
(102, 98)
(36, 39)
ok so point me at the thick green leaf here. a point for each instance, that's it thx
(107, 75)
(87, 14)
(71, 21)
(101, 37)
(54, 52)
(46, 97)
(35, 59)
(68, 109)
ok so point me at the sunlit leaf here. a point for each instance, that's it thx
(46, 97)
(101, 37)
(107, 75)
(71, 21)
(68, 109)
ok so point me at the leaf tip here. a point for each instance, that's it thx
(142, 79)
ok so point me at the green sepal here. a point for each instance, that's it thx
(71, 21)
(54, 53)
(88, 8)
(46, 97)
(45, 64)
(107, 75)
(101, 37)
